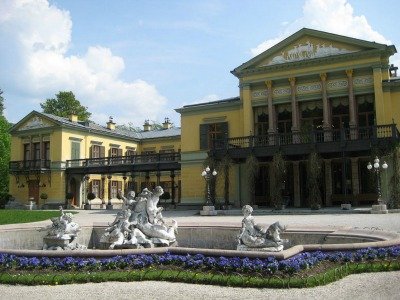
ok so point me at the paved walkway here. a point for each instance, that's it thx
(362, 286)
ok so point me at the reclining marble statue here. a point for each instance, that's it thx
(253, 237)
(62, 233)
(140, 223)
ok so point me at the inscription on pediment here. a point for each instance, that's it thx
(35, 122)
(307, 50)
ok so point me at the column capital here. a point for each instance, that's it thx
(268, 83)
(349, 73)
(245, 86)
(323, 76)
(292, 80)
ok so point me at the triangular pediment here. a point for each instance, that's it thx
(309, 44)
(34, 120)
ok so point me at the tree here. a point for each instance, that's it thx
(314, 173)
(5, 143)
(1, 103)
(279, 170)
(252, 169)
(64, 105)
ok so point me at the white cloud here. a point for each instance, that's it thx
(36, 63)
(336, 16)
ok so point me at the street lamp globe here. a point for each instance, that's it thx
(384, 165)
(369, 166)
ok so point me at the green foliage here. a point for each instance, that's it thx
(279, 171)
(25, 216)
(5, 148)
(330, 275)
(69, 196)
(252, 169)
(43, 196)
(129, 127)
(313, 178)
(394, 197)
(64, 105)
(225, 166)
(1, 103)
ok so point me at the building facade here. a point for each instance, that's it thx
(314, 92)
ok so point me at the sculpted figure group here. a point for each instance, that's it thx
(253, 237)
(62, 233)
(140, 223)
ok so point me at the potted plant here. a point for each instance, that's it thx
(44, 197)
(69, 197)
(90, 196)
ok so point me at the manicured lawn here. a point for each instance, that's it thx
(26, 216)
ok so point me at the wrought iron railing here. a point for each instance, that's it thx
(122, 160)
(29, 165)
(314, 136)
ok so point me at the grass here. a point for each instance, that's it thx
(26, 216)
(324, 277)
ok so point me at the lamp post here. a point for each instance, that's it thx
(377, 168)
(208, 175)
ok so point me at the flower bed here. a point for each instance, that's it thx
(299, 265)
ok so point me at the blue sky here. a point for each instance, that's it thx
(137, 60)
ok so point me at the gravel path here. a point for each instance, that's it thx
(360, 286)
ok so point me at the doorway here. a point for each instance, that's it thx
(33, 186)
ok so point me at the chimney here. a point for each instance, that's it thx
(147, 126)
(73, 118)
(111, 124)
(167, 124)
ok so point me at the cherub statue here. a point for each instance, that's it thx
(255, 236)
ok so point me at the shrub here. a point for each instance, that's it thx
(43, 196)
(69, 196)
(91, 196)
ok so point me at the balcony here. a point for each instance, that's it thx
(121, 164)
(327, 142)
(23, 166)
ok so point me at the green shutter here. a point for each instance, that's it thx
(203, 136)
(102, 151)
(75, 150)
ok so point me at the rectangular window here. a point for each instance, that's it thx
(36, 151)
(95, 151)
(46, 154)
(213, 135)
(27, 151)
(96, 188)
(115, 186)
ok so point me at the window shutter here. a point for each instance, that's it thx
(91, 152)
(119, 185)
(119, 152)
(102, 151)
(203, 136)
(224, 129)
(91, 186)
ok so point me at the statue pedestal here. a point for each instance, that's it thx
(379, 209)
(53, 242)
(266, 249)
(109, 206)
(208, 211)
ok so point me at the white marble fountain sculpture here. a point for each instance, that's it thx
(253, 237)
(62, 233)
(140, 223)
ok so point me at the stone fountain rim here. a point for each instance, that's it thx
(383, 239)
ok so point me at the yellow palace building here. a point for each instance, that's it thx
(314, 92)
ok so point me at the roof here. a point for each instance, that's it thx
(362, 44)
(210, 104)
(92, 126)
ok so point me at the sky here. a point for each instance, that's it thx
(136, 60)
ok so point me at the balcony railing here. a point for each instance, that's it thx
(123, 160)
(314, 136)
(29, 165)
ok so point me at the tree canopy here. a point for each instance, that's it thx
(5, 141)
(64, 105)
(1, 103)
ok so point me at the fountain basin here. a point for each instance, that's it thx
(209, 239)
